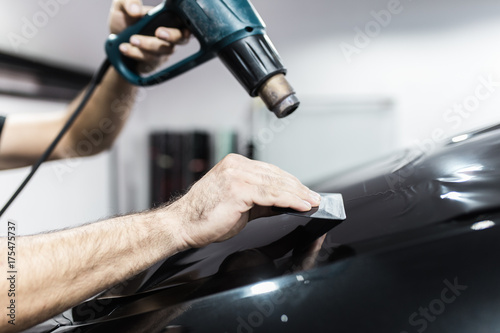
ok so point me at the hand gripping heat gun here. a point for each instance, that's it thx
(229, 29)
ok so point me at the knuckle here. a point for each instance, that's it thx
(137, 55)
(229, 173)
(231, 160)
(274, 168)
(175, 34)
(269, 194)
(268, 179)
(231, 156)
(147, 43)
(262, 191)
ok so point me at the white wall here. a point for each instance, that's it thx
(427, 68)
(62, 193)
(430, 56)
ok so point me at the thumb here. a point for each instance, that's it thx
(133, 8)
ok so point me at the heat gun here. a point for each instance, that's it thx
(229, 29)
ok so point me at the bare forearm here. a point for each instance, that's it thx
(101, 120)
(26, 137)
(59, 270)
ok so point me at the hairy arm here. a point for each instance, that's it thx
(59, 270)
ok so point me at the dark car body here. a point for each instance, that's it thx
(418, 252)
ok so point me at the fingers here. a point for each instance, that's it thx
(141, 47)
(269, 196)
(280, 180)
(281, 190)
(173, 35)
(133, 8)
(124, 13)
(266, 185)
(149, 51)
(147, 48)
(286, 188)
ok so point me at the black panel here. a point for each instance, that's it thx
(52, 82)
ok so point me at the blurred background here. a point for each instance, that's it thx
(373, 76)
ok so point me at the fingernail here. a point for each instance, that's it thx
(123, 48)
(315, 196)
(307, 205)
(163, 34)
(135, 41)
(134, 9)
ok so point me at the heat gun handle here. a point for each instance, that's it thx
(161, 15)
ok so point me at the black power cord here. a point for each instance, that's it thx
(96, 79)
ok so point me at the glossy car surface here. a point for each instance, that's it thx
(416, 253)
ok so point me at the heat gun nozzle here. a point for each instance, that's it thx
(286, 106)
(279, 96)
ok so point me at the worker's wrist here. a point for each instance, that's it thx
(119, 81)
(168, 223)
